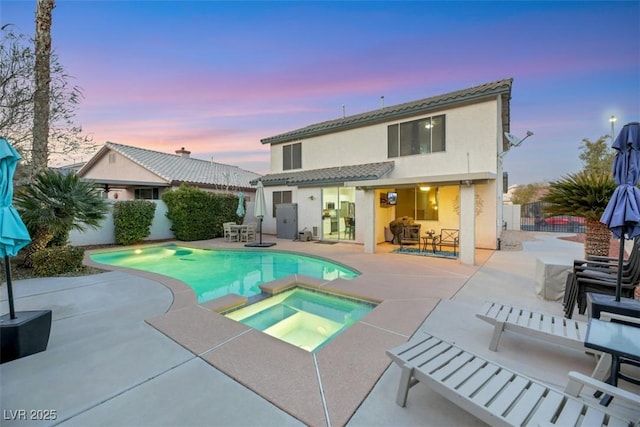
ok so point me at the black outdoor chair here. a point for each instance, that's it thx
(600, 277)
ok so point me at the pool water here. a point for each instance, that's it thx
(305, 318)
(216, 273)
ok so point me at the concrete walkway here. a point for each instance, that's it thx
(106, 366)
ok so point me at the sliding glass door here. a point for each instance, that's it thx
(338, 213)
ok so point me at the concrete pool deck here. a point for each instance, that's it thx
(126, 350)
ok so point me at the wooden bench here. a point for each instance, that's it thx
(447, 237)
(495, 394)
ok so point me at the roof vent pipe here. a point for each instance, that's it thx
(382, 101)
(183, 152)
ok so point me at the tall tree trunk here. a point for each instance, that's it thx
(597, 239)
(40, 147)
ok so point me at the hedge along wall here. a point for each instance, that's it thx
(160, 228)
(105, 234)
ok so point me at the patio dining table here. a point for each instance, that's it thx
(601, 302)
(242, 230)
(621, 341)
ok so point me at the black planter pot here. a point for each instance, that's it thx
(25, 335)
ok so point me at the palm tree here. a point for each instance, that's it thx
(584, 194)
(42, 73)
(54, 203)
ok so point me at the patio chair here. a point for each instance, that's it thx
(500, 396)
(397, 225)
(447, 237)
(584, 280)
(577, 287)
(349, 227)
(248, 233)
(608, 264)
(410, 235)
(230, 233)
(570, 296)
(614, 260)
(600, 275)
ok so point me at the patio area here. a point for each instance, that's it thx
(136, 350)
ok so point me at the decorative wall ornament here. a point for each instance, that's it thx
(479, 205)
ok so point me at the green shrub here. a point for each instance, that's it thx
(132, 220)
(198, 215)
(57, 260)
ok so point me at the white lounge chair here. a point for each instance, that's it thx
(497, 395)
(548, 327)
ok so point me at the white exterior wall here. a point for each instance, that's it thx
(499, 179)
(105, 235)
(309, 211)
(511, 215)
(470, 129)
(122, 169)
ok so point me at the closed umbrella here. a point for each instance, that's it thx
(260, 208)
(13, 233)
(622, 214)
(240, 210)
(259, 211)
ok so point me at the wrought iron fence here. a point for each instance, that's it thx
(532, 218)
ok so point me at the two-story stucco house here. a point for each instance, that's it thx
(436, 160)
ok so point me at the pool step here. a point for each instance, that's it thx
(269, 317)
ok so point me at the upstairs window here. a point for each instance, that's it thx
(416, 137)
(292, 156)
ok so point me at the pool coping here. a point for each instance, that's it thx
(322, 388)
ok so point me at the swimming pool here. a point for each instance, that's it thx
(302, 317)
(213, 273)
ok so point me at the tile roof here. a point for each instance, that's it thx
(333, 175)
(487, 90)
(67, 169)
(174, 168)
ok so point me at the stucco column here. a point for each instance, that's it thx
(367, 218)
(468, 224)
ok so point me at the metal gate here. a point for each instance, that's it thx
(532, 218)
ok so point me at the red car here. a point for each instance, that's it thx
(570, 221)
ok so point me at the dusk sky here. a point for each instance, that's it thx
(215, 77)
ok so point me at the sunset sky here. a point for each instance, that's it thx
(215, 77)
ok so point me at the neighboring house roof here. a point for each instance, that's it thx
(333, 175)
(422, 106)
(67, 169)
(175, 169)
